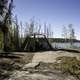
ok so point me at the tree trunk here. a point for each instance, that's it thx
(6, 41)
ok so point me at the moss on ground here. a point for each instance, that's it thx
(68, 65)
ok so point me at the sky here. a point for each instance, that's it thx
(54, 12)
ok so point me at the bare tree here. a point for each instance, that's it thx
(71, 34)
(64, 32)
(39, 29)
(50, 32)
(31, 27)
(45, 29)
(47, 33)
(16, 34)
(21, 33)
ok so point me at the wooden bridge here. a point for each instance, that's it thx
(36, 42)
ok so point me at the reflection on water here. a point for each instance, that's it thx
(65, 45)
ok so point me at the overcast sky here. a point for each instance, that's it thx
(54, 12)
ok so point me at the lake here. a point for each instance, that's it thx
(65, 45)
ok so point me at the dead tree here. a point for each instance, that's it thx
(71, 34)
(16, 35)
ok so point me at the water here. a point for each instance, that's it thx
(65, 45)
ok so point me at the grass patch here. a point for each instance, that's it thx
(68, 65)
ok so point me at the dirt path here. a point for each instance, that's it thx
(50, 56)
